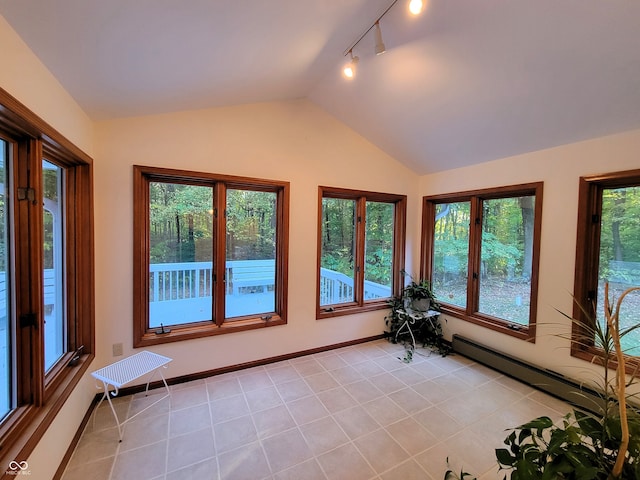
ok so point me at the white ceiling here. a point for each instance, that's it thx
(466, 82)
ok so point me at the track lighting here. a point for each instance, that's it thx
(416, 6)
(380, 48)
(350, 68)
(349, 71)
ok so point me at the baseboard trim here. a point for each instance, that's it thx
(241, 366)
(548, 381)
(197, 376)
(75, 440)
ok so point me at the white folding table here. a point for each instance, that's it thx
(410, 318)
(126, 371)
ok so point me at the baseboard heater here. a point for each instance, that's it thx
(546, 380)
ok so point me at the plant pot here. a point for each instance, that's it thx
(420, 304)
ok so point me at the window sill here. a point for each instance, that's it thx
(350, 309)
(593, 355)
(515, 330)
(180, 333)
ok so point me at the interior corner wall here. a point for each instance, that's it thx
(27, 79)
(292, 141)
(560, 169)
(24, 77)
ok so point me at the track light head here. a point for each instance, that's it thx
(349, 70)
(380, 48)
(416, 6)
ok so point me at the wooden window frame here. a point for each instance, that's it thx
(143, 175)
(587, 260)
(360, 305)
(39, 397)
(476, 197)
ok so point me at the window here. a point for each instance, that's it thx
(5, 288)
(46, 275)
(480, 251)
(608, 250)
(360, 250)
(55, 341)
(211, 256)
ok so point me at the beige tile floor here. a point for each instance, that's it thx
(356, 413)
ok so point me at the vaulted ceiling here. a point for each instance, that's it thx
(466, 82)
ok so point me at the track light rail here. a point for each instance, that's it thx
(350, 49)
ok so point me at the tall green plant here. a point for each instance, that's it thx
(586, 446)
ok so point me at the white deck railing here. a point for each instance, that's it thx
(336, 287)
(190, 280)
(180, 281)
(49, 289)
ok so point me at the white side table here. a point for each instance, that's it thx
(410, 317)
(126, 371)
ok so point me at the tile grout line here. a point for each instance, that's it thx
(167, 452)
(383, 428)
(297, 426)
(213, 432)
(462, 373)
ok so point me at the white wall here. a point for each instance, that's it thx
(24, 77)
(291, 141)
(560, 169)
(27, 79)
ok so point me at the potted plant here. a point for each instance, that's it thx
(587, 446)
(414, 318)
(420, 297)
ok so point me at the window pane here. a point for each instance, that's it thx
(378, 261)
(55, 332)
(180, 254)
(451, 252)
(338, 251)
(5, 332)
(251, 253)
(619, 262)
(506, 258)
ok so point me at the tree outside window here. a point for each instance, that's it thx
(608, 250)
(212, 256)
(480, 250)
(360, 250)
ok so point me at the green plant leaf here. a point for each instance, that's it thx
(585, 445)
(504, 457)
(589, 424)
(538, 424)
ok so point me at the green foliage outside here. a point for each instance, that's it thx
(506, 255)
(338, 235)
(619, 262)
(51, 176)
(379, 243)
(503, 239)
(620, 233)
(182, 223)
(180, 217)
(251, 225)
(338, 238)
(51, 186)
